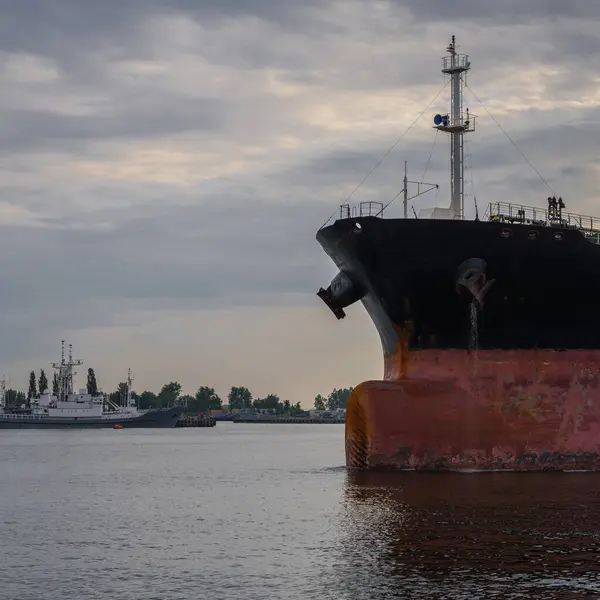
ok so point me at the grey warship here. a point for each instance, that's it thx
(81, 410)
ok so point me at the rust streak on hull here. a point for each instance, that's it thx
(491, 409)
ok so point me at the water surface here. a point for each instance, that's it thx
(268, 511)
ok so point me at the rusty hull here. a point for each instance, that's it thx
(487, 409)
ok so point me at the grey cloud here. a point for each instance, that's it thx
(334, 176)
(31, 25)
(144, 109)
(42, 131)
(190, 258)
(195, 252)
(507, 11)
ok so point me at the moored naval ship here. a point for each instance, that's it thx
(80, 409)
(490, 327)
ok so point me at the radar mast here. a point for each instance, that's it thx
(456, 123)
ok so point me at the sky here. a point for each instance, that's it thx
(166, 164)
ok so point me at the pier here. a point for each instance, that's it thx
(196, 422)
(281, 420)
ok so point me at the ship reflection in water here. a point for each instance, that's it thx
(485, 535)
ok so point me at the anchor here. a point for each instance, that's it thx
(471, 280)
(342, 292)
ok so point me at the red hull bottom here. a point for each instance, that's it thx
(489, 410)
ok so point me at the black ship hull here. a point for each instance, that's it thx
(540, 284)
(164, 418)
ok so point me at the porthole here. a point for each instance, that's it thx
(532, 235)
(558, 236)
(506, 233)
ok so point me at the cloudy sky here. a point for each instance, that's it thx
(165, 165)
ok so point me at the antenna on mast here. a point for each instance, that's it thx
(456, 124)
(428, 188)
(65, 372)
(129, 400)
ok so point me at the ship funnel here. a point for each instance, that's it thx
(342, 292)
(471, 280)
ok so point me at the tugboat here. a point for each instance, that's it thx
(490, 327)
(80, 409)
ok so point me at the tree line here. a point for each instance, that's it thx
(238, 398)
(14, 397)
(204, 400)
(337, 399)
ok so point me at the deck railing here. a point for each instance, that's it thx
(506, 212)
(364, 209)
(18, 417)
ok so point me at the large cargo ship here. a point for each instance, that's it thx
(490, 327)
(70, 409)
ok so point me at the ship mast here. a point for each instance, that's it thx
(129, 401)
(2, 393)
(456, 124)
(422, 188)
(65, 372)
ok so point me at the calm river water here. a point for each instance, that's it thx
(269, 512)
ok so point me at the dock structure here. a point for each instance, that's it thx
(296, 420)
(196, 422)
